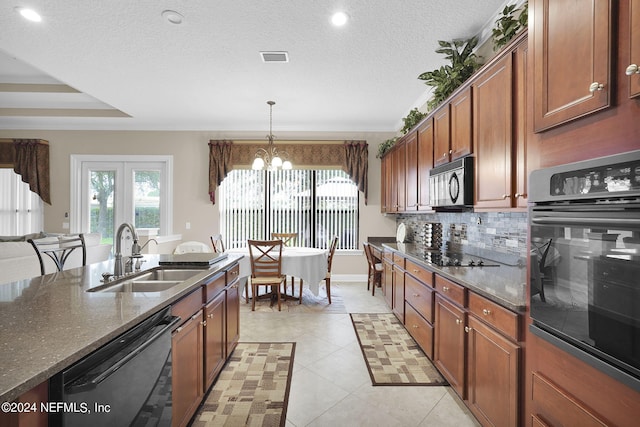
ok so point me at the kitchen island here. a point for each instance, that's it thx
(50, 322)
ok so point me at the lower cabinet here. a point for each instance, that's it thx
(449, 344)
(214, 339)
(232, 317)
(387, 279)
(492, 375)
(187, 378)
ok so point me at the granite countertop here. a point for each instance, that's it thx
(505, 285)
(49, 322)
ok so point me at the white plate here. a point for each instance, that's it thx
(401, 233)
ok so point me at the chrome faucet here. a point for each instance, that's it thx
(119, 266)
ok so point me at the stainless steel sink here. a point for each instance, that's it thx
(157, 280)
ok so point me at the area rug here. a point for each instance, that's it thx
(391, 354)
(252, 389)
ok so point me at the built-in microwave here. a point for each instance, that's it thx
(585, 261)
(451, 184)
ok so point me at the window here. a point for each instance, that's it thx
(316, 204)
(110, 190)
(21, 210)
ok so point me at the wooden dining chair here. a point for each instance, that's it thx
(287, 239)
(375, 269)
(217, 243)
(327, 278)
(59, 249)
(266, 267)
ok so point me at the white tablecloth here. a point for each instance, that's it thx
(308, 264)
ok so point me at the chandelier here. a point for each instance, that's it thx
(270, 158)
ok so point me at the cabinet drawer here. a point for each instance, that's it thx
(420, 273)
(214, 286)
(452, 291)
(233, 273)
(388, 255)
(420, 330)
(188, 305)
(398, 260)
(557, 407)
(420, 297)
(504, 320)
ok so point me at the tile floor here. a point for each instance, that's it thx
(331, 384)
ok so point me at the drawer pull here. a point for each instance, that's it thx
(486, 312)
(415, 270)
(414, 326)
(179, 330)
(416, 295)
(445, 289)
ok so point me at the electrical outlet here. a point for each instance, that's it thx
(187, 226)
(478, 220)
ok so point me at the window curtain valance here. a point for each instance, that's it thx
(29, 159)
(351, 156)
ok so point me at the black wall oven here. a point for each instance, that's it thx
(585, 261)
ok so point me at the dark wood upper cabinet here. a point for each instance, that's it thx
(572, 55)
(425, 162)
(634, 48)
(411, 171)
(492, 133)
(441, 135)
(461, 122)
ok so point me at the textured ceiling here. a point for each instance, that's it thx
(126, 67)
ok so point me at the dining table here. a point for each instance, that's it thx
(308, 264)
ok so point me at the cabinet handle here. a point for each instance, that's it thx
(179, 330)
(450, 151)
(595, 86)
(504, 196)
(415, 271)
(632, 69)
(195, 316)
(467, 329)
(486, 312)
(416, 295)
(517, 195)
(204, 323)
(414, 326)
(458, 321)
(445, 289)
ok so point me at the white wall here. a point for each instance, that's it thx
(191, 164)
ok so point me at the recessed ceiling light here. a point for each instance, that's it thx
(339, 19)
(29, 14)
(172, 17)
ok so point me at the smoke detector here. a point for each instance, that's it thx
(275, 56)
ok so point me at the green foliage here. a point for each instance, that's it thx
(507, 25)
(385, 146)
(448, 78)
(411, 120)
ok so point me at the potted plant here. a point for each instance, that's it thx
(385, 146)
(411, 120)
(448, 78)
(508, 25)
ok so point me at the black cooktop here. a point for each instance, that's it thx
(456, 259)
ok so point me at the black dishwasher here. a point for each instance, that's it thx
(126, 382)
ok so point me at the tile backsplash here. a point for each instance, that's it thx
(498, 231)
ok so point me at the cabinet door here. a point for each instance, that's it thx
(634, 46)
(186, 362)
(520, 123)
(492, 375)
(398, 293)
(233, 316)
(384, 181)
(492, 134)
(461, 131)
(400, 176)
(572, 59)
(449, 343)
(411, 172)
(425, 163)
(441, 136)
(387, 281)
(214, 339)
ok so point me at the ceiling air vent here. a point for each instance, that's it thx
(274, 56)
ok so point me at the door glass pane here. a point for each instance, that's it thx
(102, 187)
(146, 198)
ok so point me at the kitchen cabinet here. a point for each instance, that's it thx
(387, 277)
(214, 339)
(499, 130)
(419, 302)
(449, 346)
(411, 171)
(187, 378)
(232, 319)
(397, 302)
(37, 395)
(633, 70)
(395, 179)
(425, 162)
(493, 363)
(452, 128)
(572, 60)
